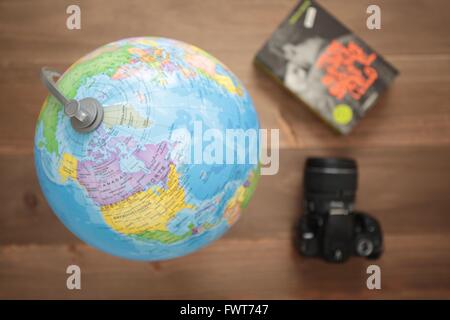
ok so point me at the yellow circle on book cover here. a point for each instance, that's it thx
(342, 114)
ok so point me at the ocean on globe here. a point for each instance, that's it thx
(131, 187)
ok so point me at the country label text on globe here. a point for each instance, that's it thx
(126, 188)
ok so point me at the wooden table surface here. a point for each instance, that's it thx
(402, 148)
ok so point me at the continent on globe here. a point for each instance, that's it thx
(68, 167)
(148, 210)
(124, 115)
(241, 198)
(106, 182)
(206, 65)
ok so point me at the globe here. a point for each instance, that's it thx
(137, 187)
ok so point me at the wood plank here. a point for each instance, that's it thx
(407, 189)
(241, 26)
(412, 267)
(415, 111)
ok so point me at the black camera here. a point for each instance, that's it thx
(329, 228)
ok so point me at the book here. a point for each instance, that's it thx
(325, 65)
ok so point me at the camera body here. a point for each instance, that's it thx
(329, 227)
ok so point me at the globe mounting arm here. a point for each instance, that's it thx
(85, 115)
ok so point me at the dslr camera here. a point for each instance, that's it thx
(329, 227)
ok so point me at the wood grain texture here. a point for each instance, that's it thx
(414, 38)
(406, 189)
(228, 269)
(402, 148)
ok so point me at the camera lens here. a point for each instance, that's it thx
(364, 247)
(333, 177)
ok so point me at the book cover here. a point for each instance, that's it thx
(325, 65)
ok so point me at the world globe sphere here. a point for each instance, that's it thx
(135, 187)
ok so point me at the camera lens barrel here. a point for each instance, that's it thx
(331, 179)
